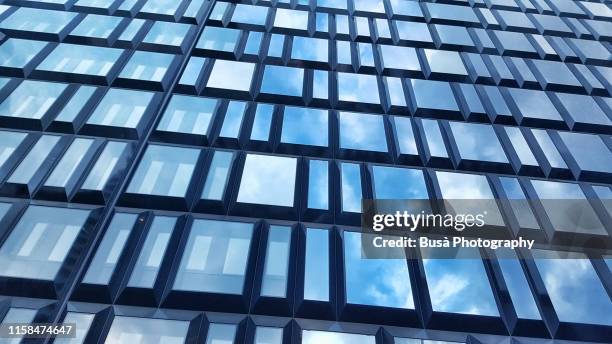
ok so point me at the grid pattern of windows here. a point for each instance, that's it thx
(205, 160)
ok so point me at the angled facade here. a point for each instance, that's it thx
(192, 171)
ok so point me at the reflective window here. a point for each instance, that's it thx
(459, 286)
(81, 59)
(31, 99)
(350, 176)
(318, 185)
(434, 95)
(9, 141)
(281, 80)
(310, 49)
(75, 105)
(398, 183)
(17, 53)
(433, 138)
(444, 62)
(291, 19)
(165, 33)
(268, 180)
(190, 115)
(69, 163)
(231, 75)
(164, 171)
(477, 142)
(84, 320)
(395, 57)
(104, 169)
(582, 109)
(28, 167)
(111, 247)
(268, 335)
(315, 337)
(38, 20)
(362, 132)
(518, 201)
(233, 119)
(581, 298)
(262, 122)
(221, 333)
(216, 38)
(121, 108)
(413, 32)
(534, 104)
(388, 280)
(147, 66)
(358, 88)
(144, 330)
(39, 243)
(144, 272)
(551, 152)
(218, 175)
(316, 270)
(405, 135)
(248, 14)
(276, 267)
(215, 258)
(305, 126)
(518, 287)
(589, 151)
(20, 316)
(96, 26)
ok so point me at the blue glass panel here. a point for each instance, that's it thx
(362, 131)
(305, 126)
(398, 183)
(268, 180)
(280, 80)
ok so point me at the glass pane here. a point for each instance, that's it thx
(121, 108)
(147, 331)
(276, 268)
(351, 187)
(215, 258)
(190, 115)
(31, 99)
(268, 180)
(316, 337)
(83, 320)
(39, 243)
(316, 270)
(218, 174)
(362, 132)
(398, 183)
(305, 126)
(104, 169)
(318, 185)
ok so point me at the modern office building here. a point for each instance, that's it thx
(192, 171)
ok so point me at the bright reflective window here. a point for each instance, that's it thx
(147, 66)
(121, 108)
(81, 59)
(358, 88)
(268, 180)
(215, 258)
(398, 183)
(231, 75)
(186, 114)
(315, 337)
(218, 175)
(164, 171)
(362, 132)
(39, 243)
(276, 266)
(145, 330)
(305, 126)
(31, 99)
(287, 81)
(477, 142)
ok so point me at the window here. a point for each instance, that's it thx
(104, 169)
(477, 142)
(449, 36)
(551, 153)
(268, 335)
(121, 108)
(96, 26)
(433, 139)
(75, 156)
(589, 151)
(19, 316)
(31, 99)
(164, 171)
(579, 299)
(108, 253)
(459, 285)
(84, 320)
(144, 330)
(518, 287)
(305, 126)
(262, 122)
(268, 180)
(39, 243)
(429, 95)
(38, 20)
(440, 62)
(414, 33)
(405, 135)
(231, 75)
(218, 175)
(248, 14)
(554, 75)
(215, 258)
(398, 183)
(291, 19)
(146, 269)
(221, 333)
(518, 201)
(402, 58)
(9, 141)
(358, 88)
(161, 7)
(147, 66)
(17, 53)
(387, 279)
(533, 105)
(233, 119)
(316, 270)
(581, 111)
(81, 59)
(276, 266)
(318, 185)
(215, 38)
(362, 132)
(165, 33)
(39, 153)
(350, 176)
(281, 80)
(75, 105)
(310, 49)
(314, 337)
(189, 115)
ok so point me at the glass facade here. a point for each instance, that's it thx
(193, 170)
